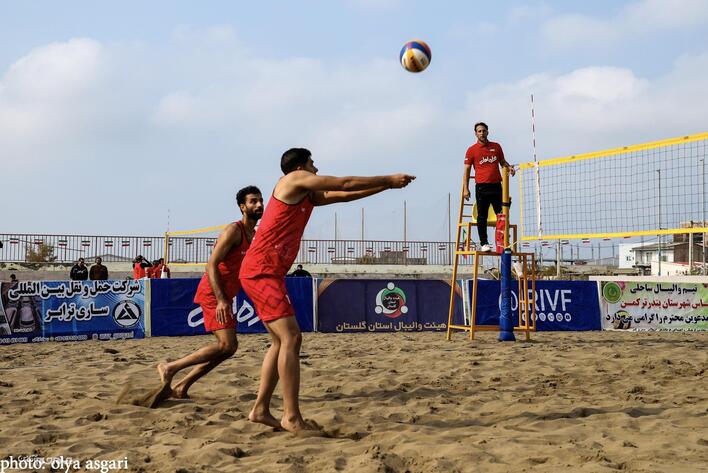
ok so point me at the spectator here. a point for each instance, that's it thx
(139, 266)
(301, 273)
(79, 272)
(13, 280)
(98, 271)
(158, 267)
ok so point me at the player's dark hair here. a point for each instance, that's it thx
(293, 158)
(480, 124)
(241, 194)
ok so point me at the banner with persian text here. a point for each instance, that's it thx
(654, 306)
(37, 311)
(383, 305)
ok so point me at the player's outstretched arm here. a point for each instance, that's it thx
(332, 197)
(396, 181)
(308, 181)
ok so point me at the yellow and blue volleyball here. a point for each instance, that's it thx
(415, 56)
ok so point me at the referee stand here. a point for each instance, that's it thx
(524, 263)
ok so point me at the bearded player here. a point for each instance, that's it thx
(269, 259)
(215, 295)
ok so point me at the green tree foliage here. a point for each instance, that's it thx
(41, 253)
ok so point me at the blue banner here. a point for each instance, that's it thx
(560, 305)
(383, 305)
(37, 311)
(174, 313)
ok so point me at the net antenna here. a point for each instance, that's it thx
(536, 171)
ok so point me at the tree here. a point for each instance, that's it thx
(43, 254)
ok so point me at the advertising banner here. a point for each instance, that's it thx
(649, 306)
(36, 311)
(560, 305)
(383, 305)
(174, 313)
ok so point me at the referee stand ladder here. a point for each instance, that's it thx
(524, 264)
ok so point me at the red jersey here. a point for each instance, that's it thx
(156, 271)
(138, 271)
(277, 242)
(485, 159)
(228, 270)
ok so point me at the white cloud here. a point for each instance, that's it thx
(39, 85)
(594, 108)
(636, 20)
(664, 14)
(203, 102)
(342, 112)
(604, 85)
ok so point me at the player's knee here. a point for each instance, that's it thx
(292, 340)
(228, 348)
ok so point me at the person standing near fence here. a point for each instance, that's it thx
(140, 265)
(98, 271)
(79, 272)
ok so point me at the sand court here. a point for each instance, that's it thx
(591, 401)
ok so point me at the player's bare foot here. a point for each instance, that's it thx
(265, 418)
(180, 392)
(165, 373)
(296, 425)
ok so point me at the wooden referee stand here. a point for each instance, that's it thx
(526, 310)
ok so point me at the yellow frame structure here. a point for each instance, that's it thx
(603, 154)
(526, 306)
(187, 232)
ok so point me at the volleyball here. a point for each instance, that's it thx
(415, 56)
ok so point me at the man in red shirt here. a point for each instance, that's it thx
(270, 257)
(156, 271)
(140, 266)
(215, 294)
(486, 157)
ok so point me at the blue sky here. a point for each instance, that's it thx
(113, 114)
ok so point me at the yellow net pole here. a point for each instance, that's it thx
(167, 248)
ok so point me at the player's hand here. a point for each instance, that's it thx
(466, 194)
(511, 170)
(223, 311)
(399, 181)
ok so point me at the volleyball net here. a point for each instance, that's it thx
(645, 189)
(191, 247)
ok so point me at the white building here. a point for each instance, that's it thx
(646, 257)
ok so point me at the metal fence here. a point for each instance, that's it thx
(69, 248)
(375, 252)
